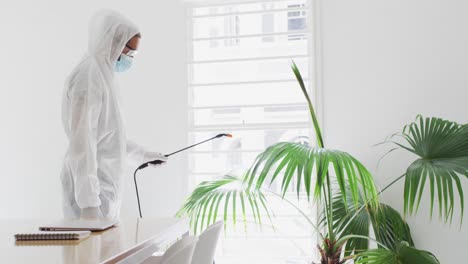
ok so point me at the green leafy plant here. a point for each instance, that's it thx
(401, 255)
(442, 147)
(345, 189)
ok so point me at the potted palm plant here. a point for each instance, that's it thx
(346, 190)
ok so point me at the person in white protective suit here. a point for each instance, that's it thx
(98, 148)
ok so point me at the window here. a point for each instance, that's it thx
(296, 21)
(241, 83)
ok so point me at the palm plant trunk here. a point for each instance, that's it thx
(329, 254)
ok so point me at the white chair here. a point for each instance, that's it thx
(179, 253)
(206, 245)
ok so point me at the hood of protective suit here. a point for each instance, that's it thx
(109, 31)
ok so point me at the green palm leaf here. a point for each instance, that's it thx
(345, 224)
(388, 225)
(443, 150)
(404, 254)
(222, 198)
(318, 131)
(310, 166)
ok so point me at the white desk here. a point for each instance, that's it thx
(130, 242)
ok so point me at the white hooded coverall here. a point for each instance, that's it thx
(97, 152)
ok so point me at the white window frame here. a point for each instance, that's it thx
(315, 67)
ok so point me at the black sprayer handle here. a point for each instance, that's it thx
(154, 162)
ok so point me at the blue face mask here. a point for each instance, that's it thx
(124, 63)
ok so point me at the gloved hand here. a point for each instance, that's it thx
(90, 213)
(150, 156)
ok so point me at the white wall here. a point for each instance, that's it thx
(41, 42)
(384, 62)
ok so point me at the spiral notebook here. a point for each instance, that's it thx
(64, 235)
